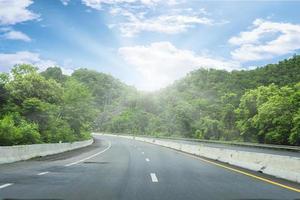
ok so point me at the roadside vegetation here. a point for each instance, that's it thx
(260, 105)
(47, 107)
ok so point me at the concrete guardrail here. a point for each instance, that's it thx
(9, 154)
(285, 167)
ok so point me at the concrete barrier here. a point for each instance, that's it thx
(285, 167)
(9, 154)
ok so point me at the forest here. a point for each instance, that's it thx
(260, 105)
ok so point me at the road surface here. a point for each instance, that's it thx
(118, 168)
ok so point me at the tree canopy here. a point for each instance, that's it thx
(260, 105)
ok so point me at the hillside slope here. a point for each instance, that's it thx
(260, 105)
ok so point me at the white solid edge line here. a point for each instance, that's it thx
(42, 173)
(5, 185)
(153, 177)
(96, 154)
(147, 159)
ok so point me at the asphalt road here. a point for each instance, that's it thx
(117, 168)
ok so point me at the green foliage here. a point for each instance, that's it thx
(15, 130)
(210, 129)
(29, 133)
(77, 108)
(54, 73)
(130, 121)
(4, 95)
(294, 137)
(21, 70)
(27, 83)
(266, 114)
(260, 105)
(4, 78)
(103, 87)
(274, 117)
(255, 106)
(248, 109)
(8, 131)
(36, 108)
(58, 130)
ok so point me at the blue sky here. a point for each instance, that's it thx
(147, 43)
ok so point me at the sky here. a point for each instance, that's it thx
(147, 43)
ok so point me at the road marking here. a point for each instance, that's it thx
(5, 185)
(153, 178)
(96, 154)
(143, 152)
(42, 173)
(242, 172)
(147, 159)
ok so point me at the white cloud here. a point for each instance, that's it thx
(16, 35)
(136, 16)
(65, 2)
(67, 71)
(169, 24)
(8, 60)
(174, 21)
(66, 66)
(265, 40)
(15, 11)
(161, 63)
(97, 4)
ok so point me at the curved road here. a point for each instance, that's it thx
(117, 168)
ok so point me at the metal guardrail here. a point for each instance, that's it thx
(244, 144)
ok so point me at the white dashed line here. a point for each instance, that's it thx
(96, 154)
(147, 159)
(5, 185)
(42, 173)
(153, 177)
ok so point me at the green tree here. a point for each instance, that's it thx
(248, 109)
(210, 129)
(4, 94)
(54, 73)
(294, 137)
(27, 83)
(14, 130)
(274, 117)
(77, 108)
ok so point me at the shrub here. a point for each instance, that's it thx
(15, 130)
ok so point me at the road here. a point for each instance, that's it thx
(118, 168)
